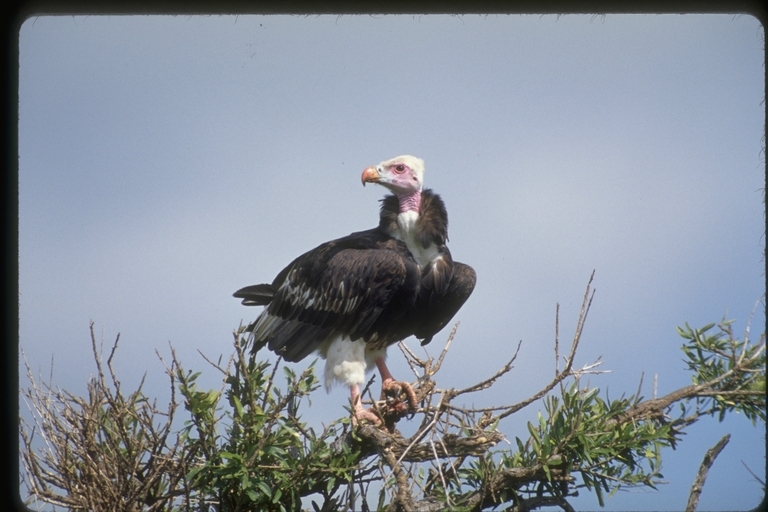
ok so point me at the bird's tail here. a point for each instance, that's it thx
(256, 294)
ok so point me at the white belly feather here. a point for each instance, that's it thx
(347, 361)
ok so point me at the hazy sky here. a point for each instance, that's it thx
(165, 162)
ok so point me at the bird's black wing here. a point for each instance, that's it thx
(435, 310)
(339, 287)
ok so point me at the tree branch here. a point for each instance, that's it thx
(450, 445)
(701, 476)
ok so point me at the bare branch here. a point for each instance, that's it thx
(411, 358)
(489, 381)
(451, 445)
(567, 371)
(760, 480)
(101, 449)
(223, 371)
(701, 476)
(443, 353)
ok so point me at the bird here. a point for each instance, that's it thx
(350, 298)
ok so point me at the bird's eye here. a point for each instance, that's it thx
(400, 168)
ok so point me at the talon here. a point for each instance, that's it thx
(391, 388)
(360, 413)
(394, 389)
(401, 408)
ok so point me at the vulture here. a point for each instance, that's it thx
(351, 298)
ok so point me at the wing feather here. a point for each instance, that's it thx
(435, 311)
(340, 287)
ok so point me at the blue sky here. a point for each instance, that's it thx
(164, 162)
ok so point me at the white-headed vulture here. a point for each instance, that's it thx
(350, 298)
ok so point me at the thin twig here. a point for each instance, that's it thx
(411, 358)
(422, 432)
(215, 365)
(440, 472)
(447, 345)
(491, 380)
(270, 381)
(760, 480)
(567, 371)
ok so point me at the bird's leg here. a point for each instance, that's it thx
(358, 411)
(391, 387)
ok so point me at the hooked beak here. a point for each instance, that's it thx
(370, 175)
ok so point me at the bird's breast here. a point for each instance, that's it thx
(406, 223)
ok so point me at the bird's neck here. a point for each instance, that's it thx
(410, 202)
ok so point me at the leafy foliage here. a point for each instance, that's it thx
(716, 357)
(580, 434)
(245, 446)
(265, 457)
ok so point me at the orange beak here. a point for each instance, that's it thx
(370, 175)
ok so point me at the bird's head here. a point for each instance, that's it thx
(403, 175)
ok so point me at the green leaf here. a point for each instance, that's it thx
(599, 493)
(231, 456)
(545, 467)
(264, 488)
(238, 406)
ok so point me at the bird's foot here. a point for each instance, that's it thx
(399, 396)
(360, 413)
